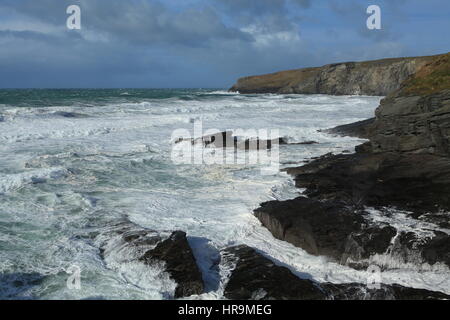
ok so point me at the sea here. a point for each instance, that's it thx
(73, 162)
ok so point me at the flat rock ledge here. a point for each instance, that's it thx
(360, 129)
(255, 277)
(348, 236)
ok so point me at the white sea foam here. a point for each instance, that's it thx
(118, 163)
(11, 182)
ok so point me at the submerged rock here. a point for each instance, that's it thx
(73, 115)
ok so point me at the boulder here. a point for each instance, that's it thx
(320, 228)
(179, 262)
(127, 242)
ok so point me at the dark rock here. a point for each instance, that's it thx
(358, 129)
(303, 143)
(149, 246)
(356, 291)
(124, 234)
(411, 182)
(66, 114)
(432, 249)
(414, 124)
(320, 228)
(226, 139)
(258, 144)
(218, 140)
(348, 236)
(180, 264)
(369, 241)
(364, 148)
(416, 118)
(377, 78)
(257, 278)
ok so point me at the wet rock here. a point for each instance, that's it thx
(429, 250)
(226, 139)
(358, 129)
(255, 277)
(122, 235)
(347, 235)
(370, 240)
(356, 291)
(180, 263)
(320, 228)
(130, 242)
(413, 182)
(259, 144)
(303, 142)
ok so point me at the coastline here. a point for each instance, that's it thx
(381, 208)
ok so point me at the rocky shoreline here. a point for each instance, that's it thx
(350, 208)
(404, 166)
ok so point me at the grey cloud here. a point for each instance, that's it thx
(143, 22)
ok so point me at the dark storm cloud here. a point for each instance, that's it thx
(197, 43)
(148, 22)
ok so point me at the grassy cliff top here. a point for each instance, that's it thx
(432, 78)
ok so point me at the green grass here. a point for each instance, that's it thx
(432, 78)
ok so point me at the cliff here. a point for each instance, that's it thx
(377, 78)
(416, 118)
(405, 165)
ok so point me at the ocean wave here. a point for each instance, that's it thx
(11, 182)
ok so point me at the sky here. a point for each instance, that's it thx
(203, 43)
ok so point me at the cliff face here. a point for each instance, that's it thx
(377, 78)
(416, 118)
(405, 165)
